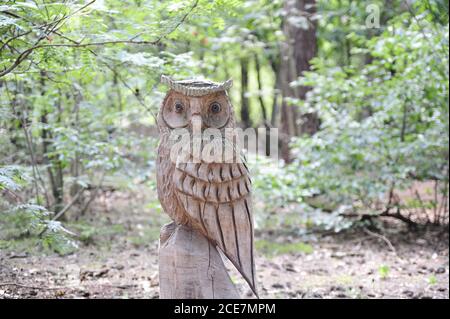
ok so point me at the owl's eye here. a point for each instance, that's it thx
(215, 107)
(217, 112)
(179, 107)
(174, 112)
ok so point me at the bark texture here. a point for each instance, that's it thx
(300, 47)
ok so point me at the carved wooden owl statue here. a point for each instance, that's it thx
(211, 197)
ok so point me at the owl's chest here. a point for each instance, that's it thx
(166, 191)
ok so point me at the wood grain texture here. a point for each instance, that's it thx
(191, 267)
(218, 201)
(211, 198)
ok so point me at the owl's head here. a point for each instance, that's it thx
(195, 104)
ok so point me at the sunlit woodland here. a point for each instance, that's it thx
(355, 205)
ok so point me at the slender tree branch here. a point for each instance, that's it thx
(30, 287)
(93, 195)
(28, 143)
(383, 238)
(69, 205)
(78, 44)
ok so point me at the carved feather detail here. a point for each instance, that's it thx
(212, 198)
(217, 199)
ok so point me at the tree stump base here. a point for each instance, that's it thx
(190, 267)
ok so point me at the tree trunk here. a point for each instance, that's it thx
(300, 47)
(190, 267)
(245, 111)
(260, 88)
(276, 70)
(57, 166)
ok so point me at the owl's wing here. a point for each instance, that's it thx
(217, 198)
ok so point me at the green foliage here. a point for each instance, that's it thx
(30, 220)
(382, 98)
(98, 234)
(57, 238)
(432, 280)
(79, 93)
(383, 124)
(383, 271)
(272, 249)
(11, 178)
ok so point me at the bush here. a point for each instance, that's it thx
(384, 125)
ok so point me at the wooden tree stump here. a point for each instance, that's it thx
(190, 267)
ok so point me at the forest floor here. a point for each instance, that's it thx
(118, 258)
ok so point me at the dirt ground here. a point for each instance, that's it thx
(118, 258)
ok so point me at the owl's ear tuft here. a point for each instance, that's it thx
(166, 80)
(227, 84)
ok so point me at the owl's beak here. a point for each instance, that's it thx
(196, 124)
(196, 127)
